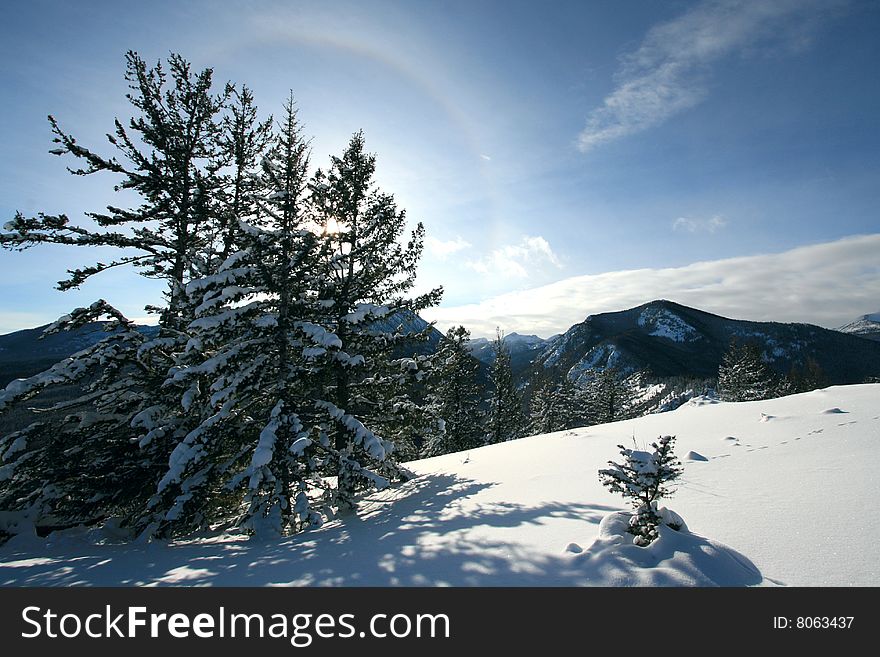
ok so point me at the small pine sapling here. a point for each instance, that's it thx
(644, 477)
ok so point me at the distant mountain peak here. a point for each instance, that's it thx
(866, 326)
(523, 349)
(520, 337)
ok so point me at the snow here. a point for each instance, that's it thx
(676, 558)
(584, 370)
(556, 347)
(528, 341)
(643, 462)
(789, 501)
(864, 324)
(375, 446)
(19, 444)
(320, 336)
(266, 445)
(313, 352)
(364, 311)
(668, 325)
(299, 445)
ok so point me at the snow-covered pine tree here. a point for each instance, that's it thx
(506, 419)
(455, 396)
(250, 359)
(609, 396)
(126, 422)
(84, 467)
(643, 477)
(574, 413)
(370, 274)
(543, 417)
(744, 376)
(554, 407)
(403, 412)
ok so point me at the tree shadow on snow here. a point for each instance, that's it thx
(425, 532)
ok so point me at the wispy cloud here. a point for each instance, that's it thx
(826, 284)
(486, 157)
(699, 225)
(517, 260)
(443, 250)
(667, 73)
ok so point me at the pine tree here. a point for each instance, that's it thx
(370, 272)
(506, 420)
(85, 467)
(118, 435)
(744, 376)
(455, 396)
(174, 174)
(244, 141)
(610, 396)
(554, 407)
(257, 349)
(806, 377)
(644, 477)
(282, 356)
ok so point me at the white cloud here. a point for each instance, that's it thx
(826, 284)
(517, 260)
(710, 225)
(485, 157)
(666, 74)
(442, 249)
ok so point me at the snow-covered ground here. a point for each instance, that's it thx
(784, 492)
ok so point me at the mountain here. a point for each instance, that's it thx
(409, 323)
(671, 340)
(523, 350)
(866, 326)
(24, 353)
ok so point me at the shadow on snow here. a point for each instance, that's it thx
(425, 532)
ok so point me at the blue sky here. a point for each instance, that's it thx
(565, 158)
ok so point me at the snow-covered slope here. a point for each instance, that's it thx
(783, 490)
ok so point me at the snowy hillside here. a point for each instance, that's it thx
(782, 490)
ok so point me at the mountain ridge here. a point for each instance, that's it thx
(664, 337)
(670, 339)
